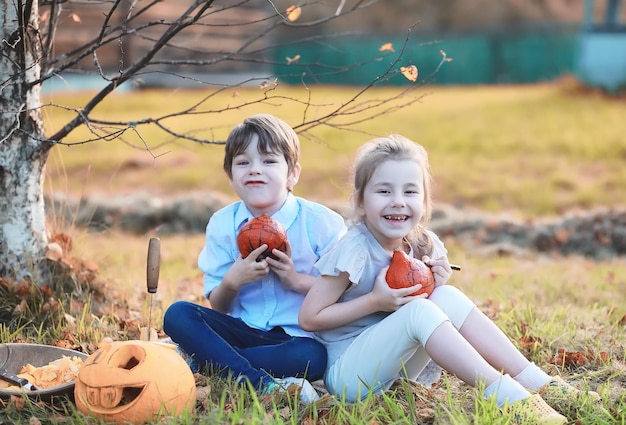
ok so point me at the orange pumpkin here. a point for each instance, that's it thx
(405, 271)
(134, 382)
(258, 231)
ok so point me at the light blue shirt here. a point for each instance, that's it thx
(312, 230)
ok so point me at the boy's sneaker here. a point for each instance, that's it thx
(191, 362)
(307, 393)
(534, 410)
(558, 390)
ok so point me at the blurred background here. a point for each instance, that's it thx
(491, 42)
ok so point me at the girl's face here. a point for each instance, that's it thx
(393, 201)
(261, 180)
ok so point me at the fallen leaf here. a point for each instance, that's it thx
(491, 308)
(54, 251)
(23, 288)
(75, 18)
(46, 291)
(569, 359)
(50, 305)
(410, 72)
(268, 84)
(285, 413)
(71, 320)
(293, 13)
(17, 402)
(529, 342)
(293, 59)
(19, 309)
(34, 421)
(386, 47)
(308, 421)
(202, 393)
(63, 240)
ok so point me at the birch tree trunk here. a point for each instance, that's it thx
(27, 59)
(23, 148)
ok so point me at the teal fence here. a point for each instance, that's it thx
(489, 58)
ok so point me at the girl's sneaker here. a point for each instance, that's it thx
(534, 410)
(558, 390)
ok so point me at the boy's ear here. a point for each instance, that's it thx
(293, 176)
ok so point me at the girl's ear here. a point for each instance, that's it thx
(358, 208)
(293, 176)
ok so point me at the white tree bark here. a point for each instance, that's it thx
(23, 151)
(27, 59)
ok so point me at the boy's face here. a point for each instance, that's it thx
(261, 180)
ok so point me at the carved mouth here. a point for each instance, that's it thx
(112, 400)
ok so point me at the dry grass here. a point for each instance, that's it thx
(536, 150)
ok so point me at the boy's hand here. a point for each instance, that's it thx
(440, 268)
(389, 299)
(283, 267)
(246, 270)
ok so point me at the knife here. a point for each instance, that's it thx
(18, 381)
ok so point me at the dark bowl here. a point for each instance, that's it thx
(15, 356)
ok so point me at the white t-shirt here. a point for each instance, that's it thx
(360, 255)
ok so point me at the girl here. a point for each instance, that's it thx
(375, 335)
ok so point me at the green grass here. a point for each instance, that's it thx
(536, 150)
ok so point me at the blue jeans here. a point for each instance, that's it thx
(220, 340)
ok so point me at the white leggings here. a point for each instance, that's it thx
(394, 347)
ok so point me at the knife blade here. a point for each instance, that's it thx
(18, 381)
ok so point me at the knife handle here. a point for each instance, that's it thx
(13, 378)
(153, 265)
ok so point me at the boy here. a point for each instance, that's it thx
(252, 331)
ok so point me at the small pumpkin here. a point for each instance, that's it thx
(262, 230)
(134, 382)
(405, 271)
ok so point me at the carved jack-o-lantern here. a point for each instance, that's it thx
(134, 381)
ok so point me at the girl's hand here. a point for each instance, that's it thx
(440, 268)
(246, 270)
(389, 299)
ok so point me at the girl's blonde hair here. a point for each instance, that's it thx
(395, 148)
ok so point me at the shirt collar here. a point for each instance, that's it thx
(286, 215)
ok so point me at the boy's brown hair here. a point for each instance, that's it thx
(275, 136)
